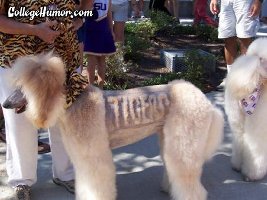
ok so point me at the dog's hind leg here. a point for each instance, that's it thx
(192, 132)
(183, 162)
(165, 184)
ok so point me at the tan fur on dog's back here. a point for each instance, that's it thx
(41, 77)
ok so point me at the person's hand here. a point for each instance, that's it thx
(45, 32)
(77, 23)
(214, 7)
(255, 9)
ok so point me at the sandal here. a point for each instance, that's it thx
(43, 148)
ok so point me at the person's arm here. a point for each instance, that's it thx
(214, 7)
(255, 8)
(86, 4)
(42, 30)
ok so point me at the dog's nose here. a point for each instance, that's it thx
(7, 104)
(15, 100)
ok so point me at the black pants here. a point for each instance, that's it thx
(158, 5)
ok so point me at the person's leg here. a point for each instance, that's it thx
(91, 66)
(230, 50)
(197, 17)
(244, 43)
(101, 70)
(141, 8)
(227, 31)
(62, 166)
(21, 137)
(120, 16)
(135, 11)
(175, 4)
(118, 29)
(246, 26)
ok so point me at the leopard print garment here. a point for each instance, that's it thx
(66, 45)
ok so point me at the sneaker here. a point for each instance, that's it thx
(222, 85)
(68, 185)
(22, 192)
(133, 16)
(142, 15)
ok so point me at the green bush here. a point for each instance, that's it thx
(116, 71)
(194, 72)
(195, 69)
(162, 79)
(161, 20)
(144, 29)
(133, 47)
(207, 33)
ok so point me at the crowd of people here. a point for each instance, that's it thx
(96, 38)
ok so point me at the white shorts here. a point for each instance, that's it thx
(234, 19)
(120, 12)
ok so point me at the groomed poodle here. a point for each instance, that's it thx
(246, 108)
(189, 126)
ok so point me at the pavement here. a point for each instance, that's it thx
(139, 172)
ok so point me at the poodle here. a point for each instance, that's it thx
(245, 106)
(190, 128)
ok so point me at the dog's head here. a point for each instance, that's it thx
(41, 79)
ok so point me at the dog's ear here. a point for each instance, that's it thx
(258, 48)
(262, 67)
(243, 77)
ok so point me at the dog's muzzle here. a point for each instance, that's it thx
(16, 101)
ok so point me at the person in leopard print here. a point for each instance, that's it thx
(20, 36)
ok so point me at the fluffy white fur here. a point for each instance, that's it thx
(249, 131)
(190, 128)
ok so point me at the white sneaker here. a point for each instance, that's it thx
(142, 15)
(133, 16)
(222, 85)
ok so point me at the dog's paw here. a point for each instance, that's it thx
(253, 176)
(247, 179)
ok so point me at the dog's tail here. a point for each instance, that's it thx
(215, 132)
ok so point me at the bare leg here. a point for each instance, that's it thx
(92, 62)
(101, 70)
(118, 29)
(244, 43)
(135, 11)
(230, 50)
(165, 184)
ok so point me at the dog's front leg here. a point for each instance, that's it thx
(94, 167)
(237, 151)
